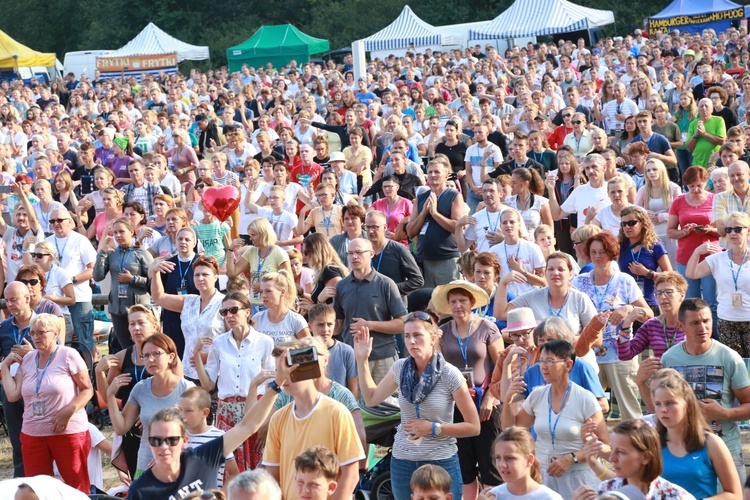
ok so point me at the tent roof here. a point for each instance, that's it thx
(152, 41)
(542, 17)
(281, 35)
(695, 7)
(25, 57)
(407, 29)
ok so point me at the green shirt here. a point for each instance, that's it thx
(703, 147)
(212, 237)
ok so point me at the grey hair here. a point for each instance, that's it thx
(596, 159)
(255, 481)
(718, 172)
(556, 326)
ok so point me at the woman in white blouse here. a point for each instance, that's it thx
(199, 313)
(238, 355)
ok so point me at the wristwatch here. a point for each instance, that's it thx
(75, 280)
(438, 429)
(274, 386)
(575, 458)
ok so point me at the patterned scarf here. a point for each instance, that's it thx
(415, 388)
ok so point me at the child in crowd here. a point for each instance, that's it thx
(195, 405)
(342, 367)
(317, 470)
(430, 482)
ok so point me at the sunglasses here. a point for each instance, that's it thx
(39, 255)
(420, 315)
(231, 310)
(730, 230)
(576, 122)
(156, 441)
(32, 281)
(57, 221)
(628, 223)
(199, 186)
(566, 116)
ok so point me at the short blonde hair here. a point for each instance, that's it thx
(265, 232)
(49, 322)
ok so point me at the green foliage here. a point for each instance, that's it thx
(66, 25)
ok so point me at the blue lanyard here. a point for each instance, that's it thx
(634, 256)
(39, 378)
(736, 277)
(184, 275)
(482, 311)
(136, 376)
(18, 339)
(416, 408)
(553, 428)
(262, 262)
(518, 250)
(275, 223)
(124, 258)
(552, 311)
(489, 222)
(60, 252)
(380, 259)
(464, 348)
(599, 299)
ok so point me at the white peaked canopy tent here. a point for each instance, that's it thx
(408, 29)
(542, 17)
(152, 40)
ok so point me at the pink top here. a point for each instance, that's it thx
(57, 389)
(393, 217)
(100, 222)
(686, 214)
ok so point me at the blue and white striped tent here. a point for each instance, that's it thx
(542, 17)
(408, 29)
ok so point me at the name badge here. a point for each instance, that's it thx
(182, 291)
(122, 290)
(423, 231)
(736, 300)
(37, 408)
(468, 375)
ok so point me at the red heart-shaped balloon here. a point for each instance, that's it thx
(221, 201)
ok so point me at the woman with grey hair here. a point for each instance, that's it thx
(252, 483)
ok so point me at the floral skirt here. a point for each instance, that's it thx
(230, 412)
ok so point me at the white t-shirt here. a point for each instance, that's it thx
(290, 195)
(583, 197)
(284, 331)
(542, 493)
(245, 216)
(608, 220)
(76, 253)
(474, 157)
(719, 264)
(488, 222)
(528, 253)
(57, 279)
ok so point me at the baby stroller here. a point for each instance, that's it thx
(380, 426)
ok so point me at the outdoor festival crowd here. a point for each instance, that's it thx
(540, 258)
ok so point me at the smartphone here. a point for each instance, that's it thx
(4, 189)
(307, 359)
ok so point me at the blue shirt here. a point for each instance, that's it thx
(8, 333)
(582, 374)
(650, 259)
(657, 143)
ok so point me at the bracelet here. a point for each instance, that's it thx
(604, 473)
(651, 275)
(434, 427)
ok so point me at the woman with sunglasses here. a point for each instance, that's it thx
(429, 389)
(731, 271)
(40, 302)
(176, 471)
(234, 360)
(149, 395)
(127, 263)
(559, 447)
(199, 313)
(642, 255)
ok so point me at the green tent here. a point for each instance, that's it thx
(278, 45)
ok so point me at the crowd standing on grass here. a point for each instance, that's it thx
(487, 241)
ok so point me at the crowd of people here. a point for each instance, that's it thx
(515, 249)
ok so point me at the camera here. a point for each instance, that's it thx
(307, 359)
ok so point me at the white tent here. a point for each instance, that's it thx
(407, 30)
(153, 41)
(542, 17)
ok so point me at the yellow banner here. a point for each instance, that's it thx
(135, 63)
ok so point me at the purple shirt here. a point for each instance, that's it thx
(653, 334)
(119, 167)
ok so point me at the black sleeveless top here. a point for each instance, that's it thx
(137, 373)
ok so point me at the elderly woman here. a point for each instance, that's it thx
(429, 390)
(706, 134)
(55, 386)
(127, 263)
(732, 284)
(35, 278)
(472, 344)
(720, 179)
(560, 448)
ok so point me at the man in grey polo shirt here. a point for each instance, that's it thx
(367, 298)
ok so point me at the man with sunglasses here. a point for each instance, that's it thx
(77, 255)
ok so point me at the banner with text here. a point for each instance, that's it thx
(136, 63)
(711, 17)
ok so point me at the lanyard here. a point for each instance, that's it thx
(19, 338)
(464, 347)
(60, 252)
(553, 428)
(552, 311)
(492, 226)
(39, 378)
(482, 311)
(518, 250)
(599, 299)
(184, 275)
(275, 223)
(667, 340)
(136, 376)
(262, 262)
(635, 256)
(380, 259)
(124, 258)
(327, 220)
(736, 277)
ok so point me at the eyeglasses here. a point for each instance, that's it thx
(34, 333)
(418, 315)
(520, 335)
(32, 281)
(665, 293)
(358, 253)
(729, 230)
(628, 223)
(231, 310)
(152, 355)
(547, 362)
(566, 116)
(576, 122)
(157, 441)
(372, 228)
(577, 242)
(58, 221)
(35, 255)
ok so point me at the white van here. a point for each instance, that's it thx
(82, 62)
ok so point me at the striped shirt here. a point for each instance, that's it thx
(211, 433)
(652, 333)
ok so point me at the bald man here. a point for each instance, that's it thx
(14, 337)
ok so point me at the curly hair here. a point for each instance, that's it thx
(648, 233)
